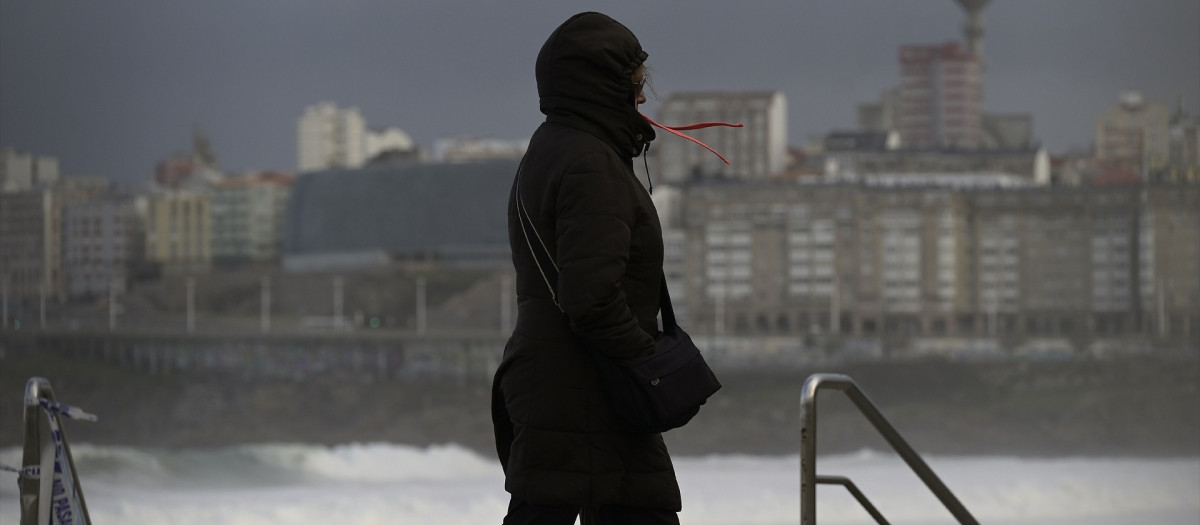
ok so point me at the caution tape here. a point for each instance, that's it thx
(66, 507)
(30, 472)
(66, 410)
(65, 504)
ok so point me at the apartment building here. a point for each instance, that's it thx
(330, 137)
(869, 154)
(247, 217)
(1168, 261)
(26, 171)
(1134, 131)
(941, 97)
(760, 257)
(1183, 163)
(101, 239)
(178, 229)
(27, 263)
(938, 104)
(758, 150)
(31, 237)
(872, 260)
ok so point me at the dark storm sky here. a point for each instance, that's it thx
(111, 87)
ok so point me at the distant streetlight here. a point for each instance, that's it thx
(337, 302)
(421, 305)
(191, 305)
(266, 304)
(112, 305)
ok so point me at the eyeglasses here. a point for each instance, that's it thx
(641, 85)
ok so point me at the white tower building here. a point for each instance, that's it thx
(24, 171)
(330, 137)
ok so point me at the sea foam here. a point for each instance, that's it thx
(377, 483)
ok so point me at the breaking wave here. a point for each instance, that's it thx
(370, 483)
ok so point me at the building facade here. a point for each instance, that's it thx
(178, 228)
(247, 217)
(1183, 163)
(31, 237)
(941, 97)
(28, 264)
(330, 137)
(1168, 262)
(758, 150)
(24, 171)
(100, 241)
(854, 154)
(864, 260)
(1135, 132)
(882, 116)
(444, 213)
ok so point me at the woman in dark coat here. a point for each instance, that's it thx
(557, 437)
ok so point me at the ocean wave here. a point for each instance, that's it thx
(375, 461)
(368, 483)
(276, 463)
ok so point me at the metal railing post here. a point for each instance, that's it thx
(808, 447)
(808, 451)
(858, 495)
(40, 450)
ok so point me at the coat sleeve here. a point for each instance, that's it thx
(593, 233)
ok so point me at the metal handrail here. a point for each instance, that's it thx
(808, 449)
(40, 450)
(858, 495)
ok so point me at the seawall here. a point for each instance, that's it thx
(1130, 406)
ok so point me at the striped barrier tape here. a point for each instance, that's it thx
(30, 472)
(65, 505)
(66, 410)
(66, 508)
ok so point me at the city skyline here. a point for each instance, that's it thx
(110, 90)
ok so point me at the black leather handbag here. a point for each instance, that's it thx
(653, 393)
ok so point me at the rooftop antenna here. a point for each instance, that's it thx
(974, 28)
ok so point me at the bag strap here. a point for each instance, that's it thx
(551, 278)
(668, 312)
(523, 217)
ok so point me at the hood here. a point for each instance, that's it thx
(584, 77)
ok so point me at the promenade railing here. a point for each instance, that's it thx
(808, 452)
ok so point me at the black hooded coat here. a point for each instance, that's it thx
(556, 435)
